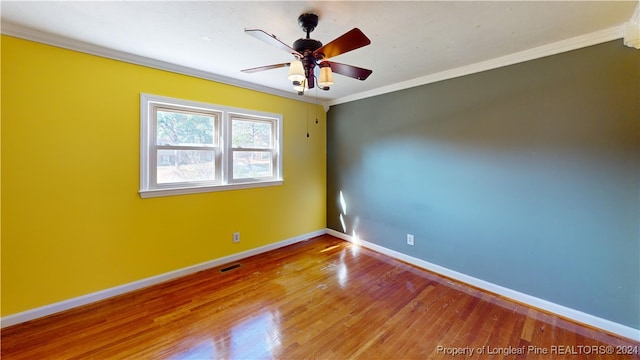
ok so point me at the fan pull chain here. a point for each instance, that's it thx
(307, 119)
(316, 105)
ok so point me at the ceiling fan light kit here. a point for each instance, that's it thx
(326, 77)
(296, 71)
(310, 53)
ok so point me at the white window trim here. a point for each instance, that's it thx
(243, 116)
(147, 135)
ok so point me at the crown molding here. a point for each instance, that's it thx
(632, 29)
(574, 43)
(632, 35)
(22, 32)
(635, 18)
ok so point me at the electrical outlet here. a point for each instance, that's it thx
(410, 239)
(236, 237)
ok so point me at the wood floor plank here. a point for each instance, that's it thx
(319, 299)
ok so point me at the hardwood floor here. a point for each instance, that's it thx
(320, 299)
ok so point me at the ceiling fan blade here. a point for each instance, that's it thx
(351, 40)
(271, 40)
(263, 68)
(349, 70)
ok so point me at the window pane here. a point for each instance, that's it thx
(179, 128)
(251, 134)
(185, 165)
(252, 164)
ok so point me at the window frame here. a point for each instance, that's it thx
(273, 150)
(223, 153)
(216, 146)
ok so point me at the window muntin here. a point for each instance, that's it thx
(189, 147)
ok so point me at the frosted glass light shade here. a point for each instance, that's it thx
(326, 77)
(296, 71)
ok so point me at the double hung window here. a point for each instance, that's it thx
(189, 147)
(253, 155)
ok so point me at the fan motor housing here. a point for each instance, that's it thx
(301, 45)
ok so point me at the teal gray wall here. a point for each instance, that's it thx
(526, 176)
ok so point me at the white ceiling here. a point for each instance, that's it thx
(411, 42)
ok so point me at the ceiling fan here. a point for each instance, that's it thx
(310, 53)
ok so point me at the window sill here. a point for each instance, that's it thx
(204, 189)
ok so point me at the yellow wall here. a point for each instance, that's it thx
(72, 220)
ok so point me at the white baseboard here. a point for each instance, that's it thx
(572, 314)
(136, 285)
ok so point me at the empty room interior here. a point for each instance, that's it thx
(320, 179)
